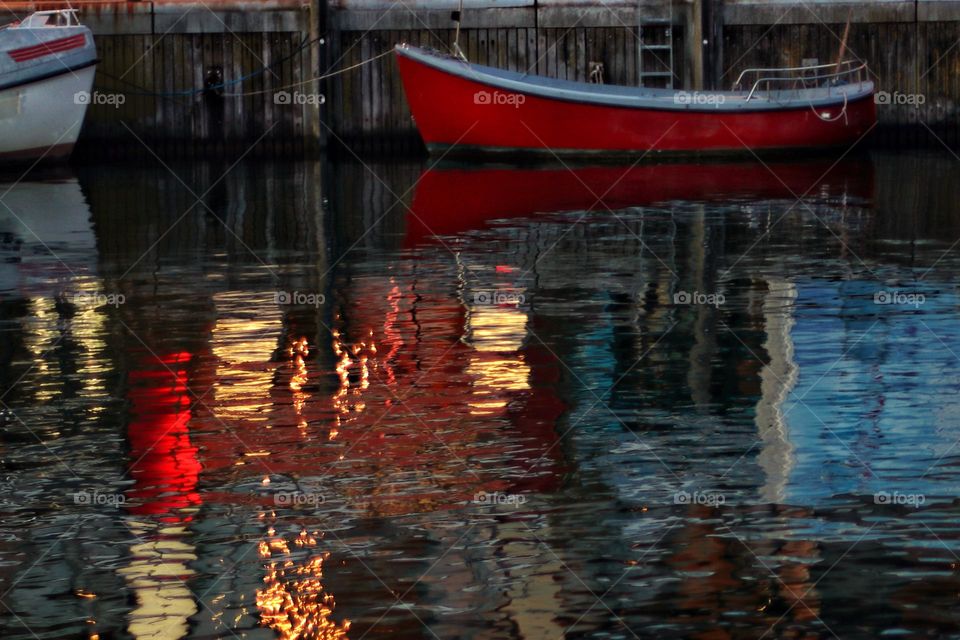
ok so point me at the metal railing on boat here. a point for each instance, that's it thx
(806, 77)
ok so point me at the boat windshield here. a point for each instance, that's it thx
(41, 19)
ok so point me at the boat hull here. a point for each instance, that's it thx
(41, 119)
(456, 113)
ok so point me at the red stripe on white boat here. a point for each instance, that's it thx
(47, 48)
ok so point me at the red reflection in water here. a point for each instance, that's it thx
(449, 201)
(419, 418)
(164, 462)
(418, 401)
(714, 570)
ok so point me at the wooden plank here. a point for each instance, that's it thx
(262, 58)
(144, 104)
(543, 52)
(352, 88)
(223, 60)
(560, 54)
(366, 123)
(485, 46)
(342, 88)
(236, 104)
(166, 105)
(473, 40)
(254, 104)
(436, 19)
(287, 48)
(177, 107)
(580, 56)
(616, 55)
(378, 68)
(517, 50)
(530, 64)
(742, 12)
(390, 100)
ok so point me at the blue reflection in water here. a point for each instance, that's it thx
(875, 399)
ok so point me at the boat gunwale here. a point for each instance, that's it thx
(648, 99)
(62, 71)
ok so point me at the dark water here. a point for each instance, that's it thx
(273, 403)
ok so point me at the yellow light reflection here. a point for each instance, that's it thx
(243, 340)
(38, 340)
(496, 333)
(298, 352)
(357, 358)
(157, 574)
(293, 601)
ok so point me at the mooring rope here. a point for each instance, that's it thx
(229, 83)
(317, 79)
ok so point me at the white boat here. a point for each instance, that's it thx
(47, 63)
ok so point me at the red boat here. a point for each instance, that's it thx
(465, 108)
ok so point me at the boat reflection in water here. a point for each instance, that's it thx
(46, 240)
(449, 200)
(526, 223)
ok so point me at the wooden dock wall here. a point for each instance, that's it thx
(908, 45)
(158, 56)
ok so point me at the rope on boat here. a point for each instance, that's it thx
(827, 118)
(824, 117)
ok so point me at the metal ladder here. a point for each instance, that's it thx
(661, 52)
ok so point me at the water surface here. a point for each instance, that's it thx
(391, 401)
